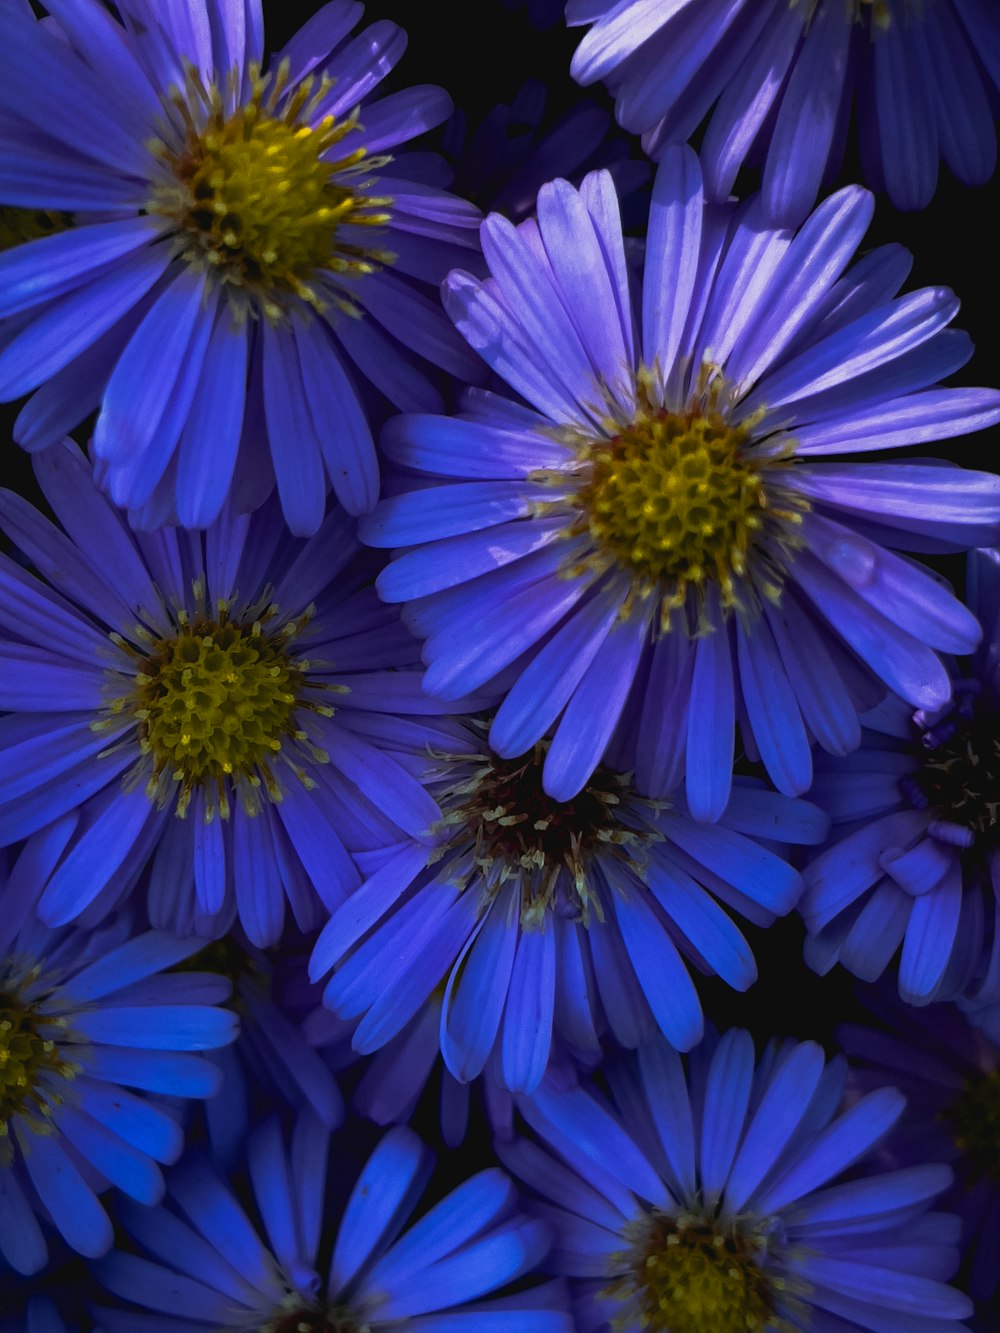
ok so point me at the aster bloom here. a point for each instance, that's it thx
(84, 1017)
(215, 1267)
(915, 865)
(213, 701)
(546, 920)
(657, 547)
(226, 230)
(781, 79)
(713, 1200)
(949, 1073)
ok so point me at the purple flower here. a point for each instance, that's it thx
(225, 231)
(307, 1257)
(781, 79)
(90, 1022)
(210, 703)
(665, 543)
(916, 861)
(551, 923)
(737, 1195)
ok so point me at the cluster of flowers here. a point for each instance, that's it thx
(446, 681)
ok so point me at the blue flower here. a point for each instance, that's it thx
(228, 229)
(783, 79)
(657, 547)
(916, 811)
(950, 1075)
(215, 1267)
(85, 1016)
(714, 1201)
(555, 921)
(211, 701)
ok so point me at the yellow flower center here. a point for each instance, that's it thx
(680, 500)
(692, 1275)
(261, 198)
(215, 705)
(975, 1120)
(18, 225)
(674, 498)
(27, 1053)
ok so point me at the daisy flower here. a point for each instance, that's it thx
(211, 701)
(714, 1200)
(84, 1018)
(551, 921)
(663, 541)
(915, 862)
(216, 1267)
(239, 251)
(779, 81)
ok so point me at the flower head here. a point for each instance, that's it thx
(381, 1274)
(778, 81)
(226, 227)
(915, 864)
(84, 1017)
(714, 1200)
(210, 701)
(549, 921)
(657, 547)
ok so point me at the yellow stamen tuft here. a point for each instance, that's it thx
(28, 1052)
(695, 1273)
(261, 198)
(683, 500)
(214, 705)
(674, 498)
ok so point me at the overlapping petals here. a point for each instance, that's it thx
(744, 1151)
(206, 389)
(779, 83)
(816, 360)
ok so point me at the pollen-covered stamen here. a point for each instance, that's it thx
(19, 225)
(975, 1123)
(959, 777)
(683, 499)
(503, 823)
(260, 196)
(696, 1273)
(215, 705)
(30, 1058)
